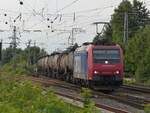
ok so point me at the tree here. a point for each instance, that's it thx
(30, 54)
(8, 53)
(99, 40)
(105, 36)
(33, 53)
(0, 51)
(117, 21)
(107, 33)
(137, 53)
(138, 17)
(143, 68)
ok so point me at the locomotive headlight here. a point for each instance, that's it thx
(117, 72)
(95, 72)
(106, 62)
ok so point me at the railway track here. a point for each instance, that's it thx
(102, 106)
(125, 99)
(128, 100)
(137, 88)
(76, 98)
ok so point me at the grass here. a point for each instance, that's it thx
(147, 108)
(26, 97)
(132, 81)
(129, 81)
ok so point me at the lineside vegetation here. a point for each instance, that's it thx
(22, 96)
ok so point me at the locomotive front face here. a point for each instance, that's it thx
(106, 64)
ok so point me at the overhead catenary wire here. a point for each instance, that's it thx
(89, 18)
(82, 15)
(34, 12)
(71, 14)
(68, 5)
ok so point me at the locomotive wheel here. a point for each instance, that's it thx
(71, 79)
(63, 77)
(86, 83)
(75, 81)
(46, 72)
(67, 78)
(50, 74)
(57, 76)
(82, 83)
(53, 74)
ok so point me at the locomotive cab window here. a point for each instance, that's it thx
(106, 56)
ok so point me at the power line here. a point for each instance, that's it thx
(68, 5)
(85, 11)
(43, 21)
(63, 14)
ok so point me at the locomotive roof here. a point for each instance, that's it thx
(106, 46)
(85, 47)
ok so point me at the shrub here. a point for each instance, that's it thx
(89, 106)
(24, 97)
(147, 108)
(143, 72)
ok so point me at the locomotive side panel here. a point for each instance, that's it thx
(80, 65)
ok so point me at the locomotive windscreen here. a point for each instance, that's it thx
(106, 56)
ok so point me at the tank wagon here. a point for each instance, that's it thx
(92, 65)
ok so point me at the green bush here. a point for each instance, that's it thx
(129, 81)
(89, 106)
(11, 70)
(147, 108)
(138, 55)
(24, 97)
(143, 69)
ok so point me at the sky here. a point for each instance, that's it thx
(49, 22)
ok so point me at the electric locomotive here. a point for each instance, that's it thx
(99, 65)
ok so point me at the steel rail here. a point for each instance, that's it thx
(102, 106)
(49, 82)
(136, 88)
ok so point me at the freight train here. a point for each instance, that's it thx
(88, 65)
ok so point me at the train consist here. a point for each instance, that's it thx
(90, 65)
